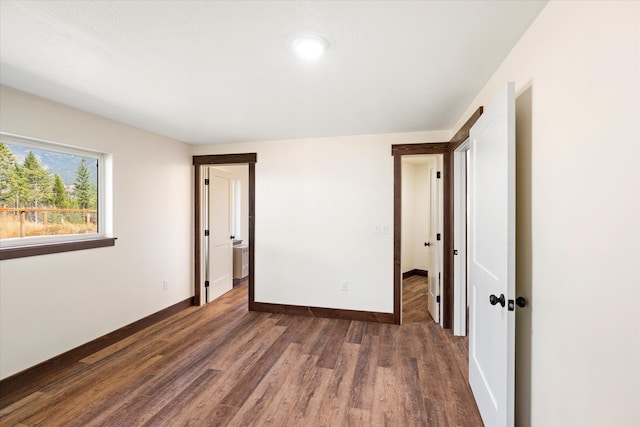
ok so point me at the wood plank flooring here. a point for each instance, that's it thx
(221, 365)
(415, 300)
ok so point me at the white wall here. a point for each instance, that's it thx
(416, 212)
(408, 216)
(316, 203)
(422, 209)
(52, 303)
(578, 112)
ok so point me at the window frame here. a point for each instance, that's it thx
(41, 245)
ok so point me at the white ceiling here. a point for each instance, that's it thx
(221, 71)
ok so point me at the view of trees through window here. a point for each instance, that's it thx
(46, 193)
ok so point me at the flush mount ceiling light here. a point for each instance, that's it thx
(309, 46)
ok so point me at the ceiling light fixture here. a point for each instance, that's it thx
(309, 46)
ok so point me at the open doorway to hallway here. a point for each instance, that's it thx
(421, 251)
(219, 171)
(225, 227)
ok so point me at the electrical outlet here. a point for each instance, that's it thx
(376, 229)
(165, 285)
(344, 286)
(385, 228)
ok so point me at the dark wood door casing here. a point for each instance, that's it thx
(224, 159)
(446, 149)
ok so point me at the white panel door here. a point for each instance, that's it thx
(220, 242)
(434, 229)
(492, 261)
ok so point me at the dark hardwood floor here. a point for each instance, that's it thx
(414, 300)
(221, 365)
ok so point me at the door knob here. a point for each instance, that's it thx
(520, 302)
(427, 244)
(495, 300)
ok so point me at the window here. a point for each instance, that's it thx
(51, 196)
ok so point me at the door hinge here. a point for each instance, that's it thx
(438, 299)
(455, 252)
(438, 175)
(206, 233)
(206, 283)
(438, 236)
(206, 181)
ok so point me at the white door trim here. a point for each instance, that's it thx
(460, 239)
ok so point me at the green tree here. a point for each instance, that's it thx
(17, 187)
(7, 170)
(37, 181)
(85, 192)
(60, 198)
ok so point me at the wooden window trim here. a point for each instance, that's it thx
(54, 248)
(66, 242)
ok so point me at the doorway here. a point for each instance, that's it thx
(225, 227)
(202, 205)
(446, 300)
(421, 237)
